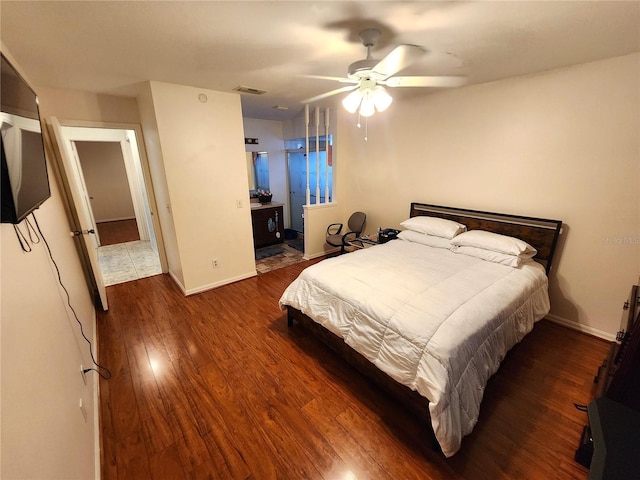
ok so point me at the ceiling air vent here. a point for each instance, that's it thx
(252, 91)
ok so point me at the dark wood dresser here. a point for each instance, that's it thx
(268, 224)
(610, 444)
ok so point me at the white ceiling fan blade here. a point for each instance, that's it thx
(432, 81)
(331, 93)
(398, 59)
(336, 79)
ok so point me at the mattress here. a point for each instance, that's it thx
(436, 321)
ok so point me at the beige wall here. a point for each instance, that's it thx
(199, 149)
(44, 434)
(90, 107)
(562, 144)
(106, 179)
(159, 181)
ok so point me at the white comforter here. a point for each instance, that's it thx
(435, 321)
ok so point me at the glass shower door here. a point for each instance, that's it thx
(298, 184)
(297, 189)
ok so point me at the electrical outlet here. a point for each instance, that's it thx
(84, 375)
(214, 263)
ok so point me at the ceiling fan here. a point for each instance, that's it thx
(369, 77)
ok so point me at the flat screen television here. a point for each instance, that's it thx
(23, 175)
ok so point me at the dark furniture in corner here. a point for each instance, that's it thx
(615, 429)
(610, 445)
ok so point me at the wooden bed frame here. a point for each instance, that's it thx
(540, 233)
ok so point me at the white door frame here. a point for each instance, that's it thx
(136, 163)
(134, 175)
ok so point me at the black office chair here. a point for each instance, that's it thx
(336, 238)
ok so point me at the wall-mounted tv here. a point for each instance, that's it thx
(24, 180)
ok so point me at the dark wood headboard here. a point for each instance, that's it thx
(540, 233)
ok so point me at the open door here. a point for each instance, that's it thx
(70, 170)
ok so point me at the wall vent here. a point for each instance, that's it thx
(252, 91)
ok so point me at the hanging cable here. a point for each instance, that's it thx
(106, 376)
(24, 244)
(22, 238)
(32, 232)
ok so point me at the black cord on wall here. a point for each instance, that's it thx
(22, 238)
(99, 368)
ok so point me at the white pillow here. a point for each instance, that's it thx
(424, 239)
(492, 256)
(438, 227)
(495, 242)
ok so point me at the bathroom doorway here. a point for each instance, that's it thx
(320, 181)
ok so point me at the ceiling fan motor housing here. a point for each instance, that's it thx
(363, 69)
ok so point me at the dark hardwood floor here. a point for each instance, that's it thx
(120, 231)
(217, 386)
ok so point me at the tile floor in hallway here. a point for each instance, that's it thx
(128, 261)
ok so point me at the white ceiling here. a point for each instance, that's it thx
(112, 46)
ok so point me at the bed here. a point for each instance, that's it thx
(430, 316)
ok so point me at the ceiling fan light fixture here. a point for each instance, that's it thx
(367, 77)
(369, 98)
(381, 98)
(367, 107)
(352, 101)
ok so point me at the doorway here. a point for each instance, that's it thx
(320, 178)
(109, 163)
(125, 248)
(297, 170)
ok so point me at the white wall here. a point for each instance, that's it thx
(106, 179)
(562, 144)
(199, 149)
(44, 434)
(159, 181)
